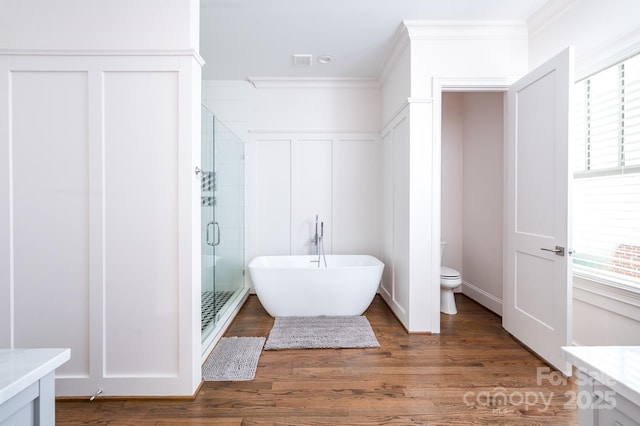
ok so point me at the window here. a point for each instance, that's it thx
(606, 185)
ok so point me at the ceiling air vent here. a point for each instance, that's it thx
(302, 60)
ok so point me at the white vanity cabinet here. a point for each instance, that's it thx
(608, 384)
(27, 386)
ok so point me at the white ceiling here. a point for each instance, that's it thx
(257, 38)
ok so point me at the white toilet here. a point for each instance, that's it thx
(449, 279)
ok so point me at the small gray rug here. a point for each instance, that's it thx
(321, 332)
(233, 358)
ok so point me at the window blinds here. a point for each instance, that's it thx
(606, 186)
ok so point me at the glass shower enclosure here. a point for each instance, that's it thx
(222, 228)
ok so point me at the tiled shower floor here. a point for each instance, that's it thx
(212, 303)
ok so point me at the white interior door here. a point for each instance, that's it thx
(537, 268)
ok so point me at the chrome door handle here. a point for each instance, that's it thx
(217, 225)
(559, 251)
(208, 235)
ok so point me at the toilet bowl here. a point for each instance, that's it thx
(449, 279)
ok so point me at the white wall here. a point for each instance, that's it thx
(603, 33)
(484, 54)
(395, 288)
(229, 100)
(307, 106)
(314, 150)
(600, 31)
(461, 50)
(483, 201)
(452, 205)
(160, 25)
(396, 78)
(99, 220)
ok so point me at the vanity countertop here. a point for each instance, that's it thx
(19, 368)
(617, 367)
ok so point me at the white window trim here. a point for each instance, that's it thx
(620, 299)
(588, 287)
(607, 55)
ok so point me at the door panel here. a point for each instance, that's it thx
(537, 285)
(208, 225)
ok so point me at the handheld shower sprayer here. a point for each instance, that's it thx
(318, 243)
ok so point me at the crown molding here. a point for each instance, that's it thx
(410, 30)
(399, 44)
(547, 14)
(73, 53)
(313, 83)
(466, 30)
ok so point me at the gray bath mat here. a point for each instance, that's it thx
(321, 332)
(233, 358)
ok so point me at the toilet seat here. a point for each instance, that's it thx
(446, 272)
(450, 277)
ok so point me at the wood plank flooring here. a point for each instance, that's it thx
(472, 373)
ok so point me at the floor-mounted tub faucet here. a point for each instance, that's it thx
(318, 246)
(316, 238)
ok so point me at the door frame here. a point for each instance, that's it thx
(440, 85)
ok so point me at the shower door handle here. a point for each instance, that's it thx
(208, 234)
(217, 225)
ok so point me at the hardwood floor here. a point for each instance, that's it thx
(472, 373)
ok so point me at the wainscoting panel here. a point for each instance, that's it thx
(49, 154)
(141, 217)
(386, 208)
(272, 229)
(401, 250)
(357, 180)
(310, 193)
(99, 217)
(297, 176)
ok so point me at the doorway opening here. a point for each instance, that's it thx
(471, 197)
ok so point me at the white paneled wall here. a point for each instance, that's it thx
(399, 294)
(49, 206)
(271, 160)
(386, 213)
(141, 223)
(406, 224)
(314, 149)
(311, 192)
(357, 179)
(99, 205)
(99, 225)
(299, 176)
(423, 53)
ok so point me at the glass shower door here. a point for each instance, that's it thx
(229, 213)
(222, 227)
(209, 228)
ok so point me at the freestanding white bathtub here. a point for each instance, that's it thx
(296, 286)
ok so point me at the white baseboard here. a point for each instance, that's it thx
(487, 300)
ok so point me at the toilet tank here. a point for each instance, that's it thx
(443, 244)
